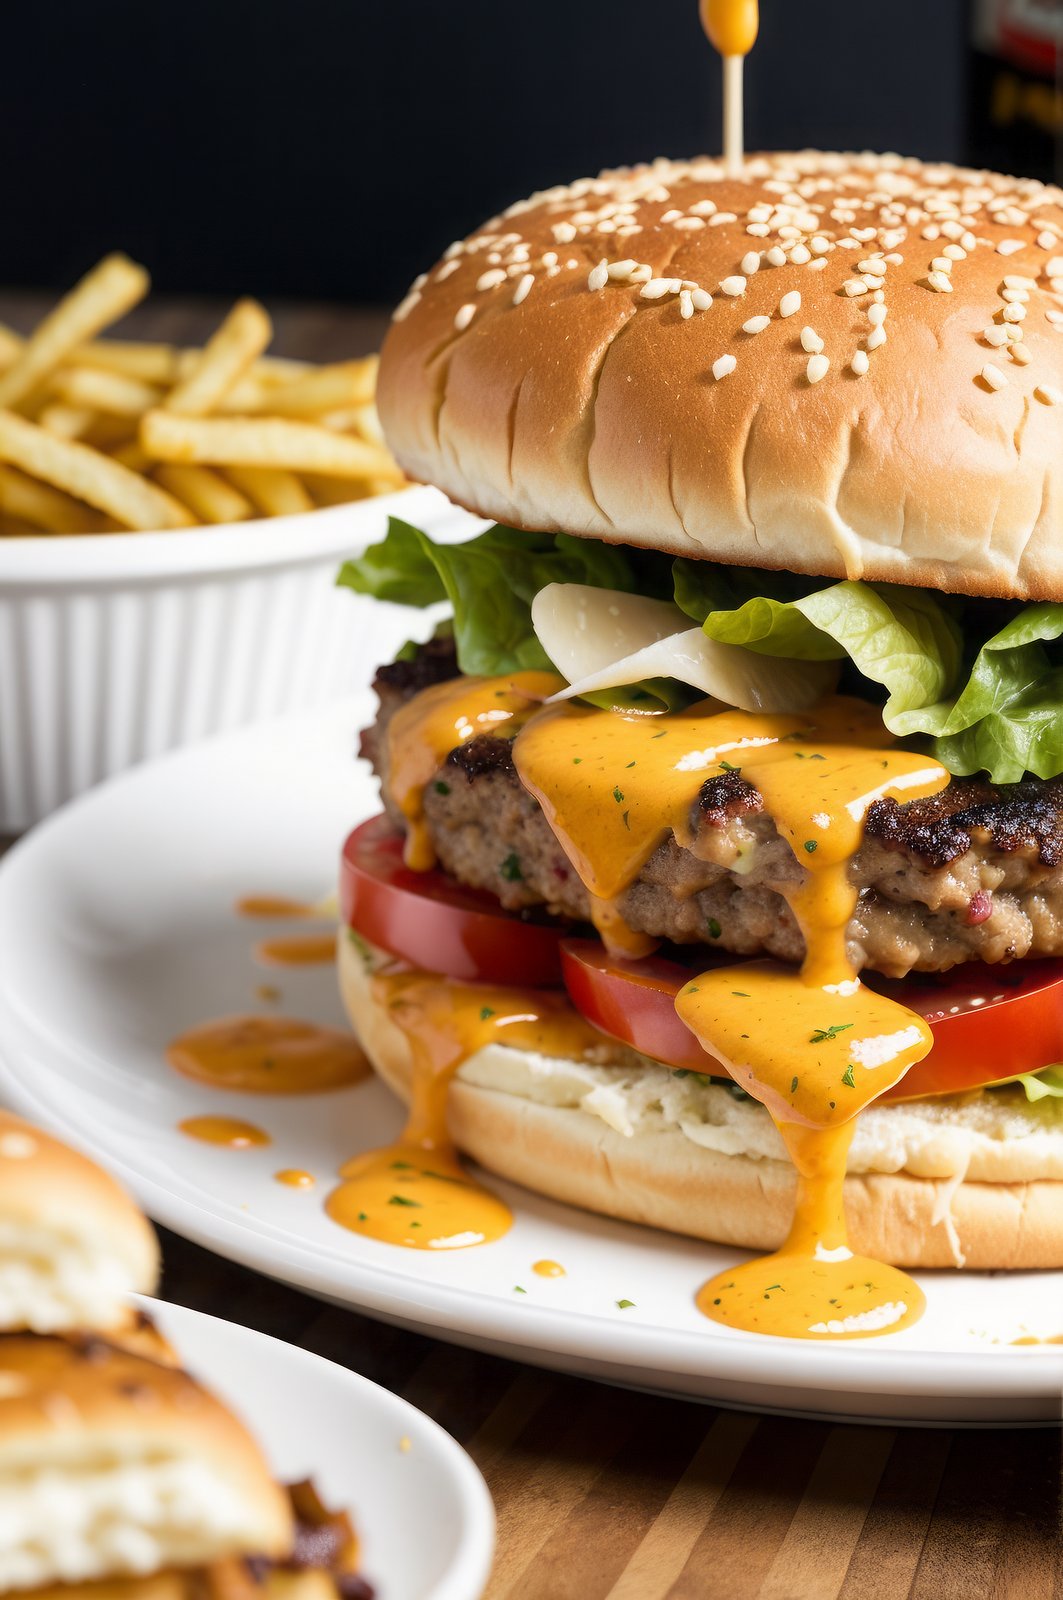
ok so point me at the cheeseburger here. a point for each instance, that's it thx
(720, 881)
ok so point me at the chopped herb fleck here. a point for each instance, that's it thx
(717, 1302)
(440, 787)
(363, 1216)
(681, 1072)
(485, 1012)
(714, 928)
(692, 988)
(848, 1077)
(741, 993)
(793, 1085)
(415, 1224)
(811, 845)
(803, 755)
(510, 868)
(518, 1290)
(618, 794)
(661, 734)
(625, 1305)
(832, 1104)
(402, 1166)
(629, 766)
(626, 820)
(403, 1200)
(824, 1035)
(576, 760)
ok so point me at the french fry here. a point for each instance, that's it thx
(132, 456)
(45, 509)
(88, 475)
(210, 496)
(274, 491)
(242, 337)
(151, 363)
(10, 346)
(66, 422)
(335, 491)
(111, 392)
(349, 383)
(263, 442)
(107, 292)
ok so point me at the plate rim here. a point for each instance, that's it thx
(470, 1570)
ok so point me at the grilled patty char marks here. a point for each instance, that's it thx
(974, 873)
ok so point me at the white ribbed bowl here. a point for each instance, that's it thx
(114, 648)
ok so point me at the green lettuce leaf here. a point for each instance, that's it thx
(1047, 1084)
(490, 582)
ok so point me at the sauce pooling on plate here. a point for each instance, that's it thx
(416, 1192)
(268, 1055)
(308, 950)
(232, 1132)
(266, 908)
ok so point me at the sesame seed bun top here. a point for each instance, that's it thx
(846, 365)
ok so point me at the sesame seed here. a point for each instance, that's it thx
(1056, 285)
(447, 268)
(1055, 318)
(722, 216)
(811, 341)
(938, 282)
(1021, 354)
(734, 285)
(1054, 267)
(671, 216)
(491, 280)
(854, 286)
(955, 252)
(755, 325)
(995, 336)
(758, 230)
(993, 376)
(1008, 247)
(817, 264)
(550, 258)
(723, 365)
(1046, 240)
(1014, 313)
(701, 299)
(1014, 332)
(686, 304)
(817, 368)
(1015, 281)
(523, 288)
(876, 337)
(968, 241)
(750, 262)
(656, 288)
(790, 303)
(1015, 297)
(859, 363)
(404, 307)
(702, 208)
(1049, 395)
(776, 257)
(876, 315)
(819, 245)
(598, 276)
(800, 254)
(873, 264)
(464, 316)
(942, 264)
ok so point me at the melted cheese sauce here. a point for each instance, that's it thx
(548, 1269)
(416, 1192)
(232, 1132)
(308, 950)
(268, 1055)
(424, 731)
(295, 1178)
(265, 908)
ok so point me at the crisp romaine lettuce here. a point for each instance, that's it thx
(1047, 1084)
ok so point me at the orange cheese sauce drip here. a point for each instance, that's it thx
(613, 786)
(261, 907)
(731, 25)
(294, 1178)
(424, 731)
(310, 950)
(231, 1132)
(416, 1192)
(268, 1055)
(548, 1269)
(817, 1046)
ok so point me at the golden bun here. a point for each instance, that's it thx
(667, 1181)
(530, 394)
(73, 1245)
(150, 1469)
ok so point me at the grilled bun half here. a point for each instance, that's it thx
(875, 390)
(73, 1245)
(114, 1465)
(972, 1181)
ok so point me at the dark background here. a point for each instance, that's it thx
(331, 148)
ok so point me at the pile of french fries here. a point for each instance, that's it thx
(109, 436)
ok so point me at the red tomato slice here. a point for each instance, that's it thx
(989, 1023)
(432, 922)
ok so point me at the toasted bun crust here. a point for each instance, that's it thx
(73, 1245)
(533, 397)
(667, 1181)
(153, 1471)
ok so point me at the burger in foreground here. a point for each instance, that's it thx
(731, 892)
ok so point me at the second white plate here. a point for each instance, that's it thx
(117, 932)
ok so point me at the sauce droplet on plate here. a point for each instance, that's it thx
(549, 1269)
(309, 950)
(268, 1055)
(264, 907)
(294, 1178)
(231, 1132)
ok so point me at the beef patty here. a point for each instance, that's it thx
(973, 873)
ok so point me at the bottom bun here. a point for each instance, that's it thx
(665, 1179)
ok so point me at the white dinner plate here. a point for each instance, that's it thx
(117, 932)
(368, 1452)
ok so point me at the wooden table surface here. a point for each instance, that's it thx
(606, 1495)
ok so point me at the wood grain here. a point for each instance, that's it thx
(606, 1495)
